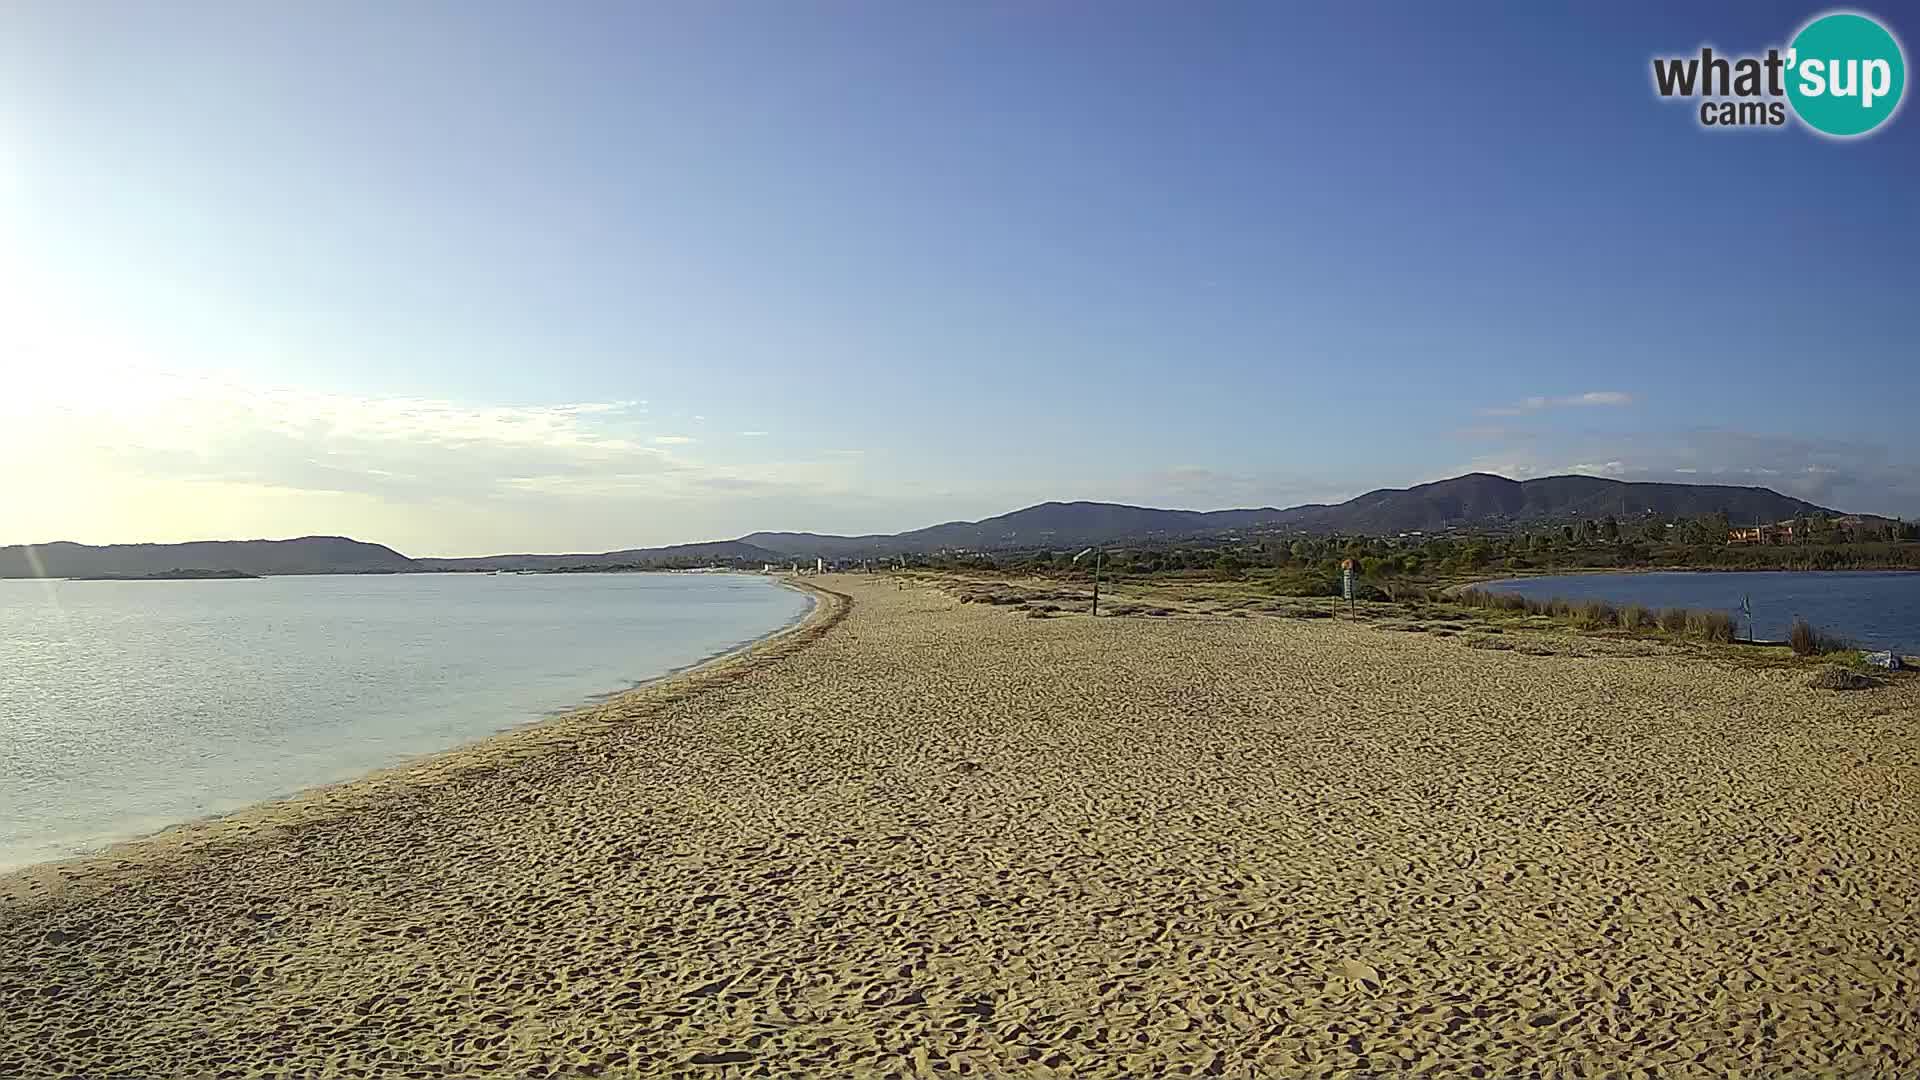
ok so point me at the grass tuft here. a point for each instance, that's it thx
(1701, 625)
(1808, 640)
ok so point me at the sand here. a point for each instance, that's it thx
(920, 837)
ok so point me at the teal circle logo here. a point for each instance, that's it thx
(1845, 74)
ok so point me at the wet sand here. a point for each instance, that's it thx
(918, 837)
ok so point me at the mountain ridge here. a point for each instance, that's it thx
(1475, 499)
(298, 555)
(1472, 499)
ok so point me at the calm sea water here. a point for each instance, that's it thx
(1877, 609)
(129, 706)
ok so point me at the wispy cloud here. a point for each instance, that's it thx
(406, 450)
(1493, 433)
(1535, 404)
(753, 434)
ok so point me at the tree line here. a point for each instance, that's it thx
(1311, 565)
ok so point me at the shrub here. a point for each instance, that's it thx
(1804, 638)
(1673, 620)
(1596, 615)
(1635, 617)
(1808, 640)
(1497, 601)
(1710, 625)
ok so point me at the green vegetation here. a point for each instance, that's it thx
(1299, 565)
(1421, 572)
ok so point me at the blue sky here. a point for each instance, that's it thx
(471, 277)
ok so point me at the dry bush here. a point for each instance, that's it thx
(1804, 639)
(1596, 615)
(1710, 625)
(1497, 601)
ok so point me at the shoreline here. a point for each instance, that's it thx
(595, 700)
(151, 851)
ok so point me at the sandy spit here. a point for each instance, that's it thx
(914, 837)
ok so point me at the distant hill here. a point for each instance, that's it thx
(1477, 499)
(1474, 500)
(1483, 499)
(1058, 524)
(717, 551)
(305, 555)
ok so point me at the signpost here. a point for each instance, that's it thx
(1346, 584)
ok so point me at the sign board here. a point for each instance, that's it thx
(1346, 581)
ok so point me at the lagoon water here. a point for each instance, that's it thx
(126, 706)
(1879, 609)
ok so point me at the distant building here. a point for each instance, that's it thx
(1782, 532)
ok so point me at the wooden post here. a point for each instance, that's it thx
(1097, 555)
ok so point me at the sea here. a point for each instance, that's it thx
(128, 706)
(1880, 610)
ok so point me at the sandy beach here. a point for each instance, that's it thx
(917, 837)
